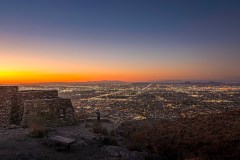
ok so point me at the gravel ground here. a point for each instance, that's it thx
(15, 144)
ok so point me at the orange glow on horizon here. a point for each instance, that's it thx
(28, 62)
(31, 77)
(28, 77)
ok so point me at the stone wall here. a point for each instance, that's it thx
(37, 94)
(8, 105)
(17, 107)
(33, 95)
(55, 112)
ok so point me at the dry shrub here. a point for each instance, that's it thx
(204, 137)
(139, 139)
(36, 122)
(109, 140)
(98, 129)
(113, 133)
(104, 131)
(37, 128)
(135, 147)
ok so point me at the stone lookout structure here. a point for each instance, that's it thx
(17, 107)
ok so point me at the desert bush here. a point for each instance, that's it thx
(97, 128)
(113, 133)
(37, 129)
(104, 131)
(109, 140)
(199, 138)
(36, 123)
(135, 147)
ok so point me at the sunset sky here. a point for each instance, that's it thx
(129, 40)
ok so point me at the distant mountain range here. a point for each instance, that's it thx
(141, 83)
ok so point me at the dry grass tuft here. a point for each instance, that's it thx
(37, 128)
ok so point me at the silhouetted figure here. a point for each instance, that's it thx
(98, 115)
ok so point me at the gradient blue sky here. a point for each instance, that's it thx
(132, 40)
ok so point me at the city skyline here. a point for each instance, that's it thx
(63, 41)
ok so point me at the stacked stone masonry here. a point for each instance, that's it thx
(8, 103)
(18, 107)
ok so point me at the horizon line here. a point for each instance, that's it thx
(120, 81)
